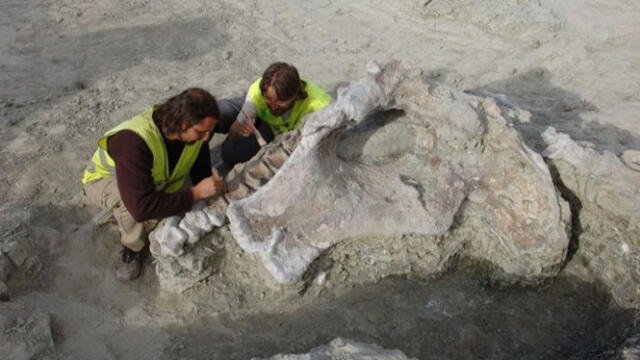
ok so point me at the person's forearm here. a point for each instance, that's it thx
(143, 202)
(159, 205)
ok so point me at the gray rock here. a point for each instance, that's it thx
(177, 274)
(14, 239)
(631, 158)
(601, 179)
(24, 333)
(607, 195)
(340, 348)
(13, 219)
(18, 253)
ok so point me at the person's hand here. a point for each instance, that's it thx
(208, 187)
(241, 129)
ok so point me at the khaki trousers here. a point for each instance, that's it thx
(104, 193)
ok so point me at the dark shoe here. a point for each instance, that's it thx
(128, 264)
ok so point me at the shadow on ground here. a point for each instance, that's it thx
(551, 105)
(456, 317)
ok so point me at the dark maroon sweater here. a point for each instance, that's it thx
(134, 161)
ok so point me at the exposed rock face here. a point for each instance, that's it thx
(341, 348)
(24, 333)
(17, 249)
(515, 218)
(448, 156)
(630, 350)
(603, 179)
(606, 189)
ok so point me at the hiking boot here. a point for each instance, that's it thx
(128, 264)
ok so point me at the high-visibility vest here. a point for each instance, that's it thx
(102, 165)
(316, 99)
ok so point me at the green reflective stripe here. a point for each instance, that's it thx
(102, 165)
(104, 162)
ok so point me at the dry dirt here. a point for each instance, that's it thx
(71, 69)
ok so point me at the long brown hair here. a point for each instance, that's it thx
(285, 81)
(184, 110)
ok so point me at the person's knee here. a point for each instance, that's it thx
(226, 153)
(230, 152)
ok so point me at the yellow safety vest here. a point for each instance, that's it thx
(316, 99)
(102, 165)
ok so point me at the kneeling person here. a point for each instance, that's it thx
(141, 168)
(274, 104)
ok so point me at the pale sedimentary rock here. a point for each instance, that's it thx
(25, 333)
(606, 193)
(602, 179)
(447, 154)
(341, 348)
(515, 217)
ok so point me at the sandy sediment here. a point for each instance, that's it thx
(71, 70)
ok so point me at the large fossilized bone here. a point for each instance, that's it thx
(318, 199)
(173, 233)
(450, 147)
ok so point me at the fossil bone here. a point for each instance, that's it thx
(447, 147)
(319, 198)
(173, 233)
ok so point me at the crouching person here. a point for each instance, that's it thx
(275, 103)
(142, 167)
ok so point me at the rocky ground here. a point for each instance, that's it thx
(72, 69)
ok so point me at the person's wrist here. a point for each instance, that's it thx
(195, 193)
